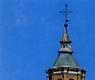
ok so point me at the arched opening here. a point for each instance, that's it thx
(71, 79)
(59, 79)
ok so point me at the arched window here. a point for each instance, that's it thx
(59, 79)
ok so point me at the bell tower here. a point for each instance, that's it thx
(65, 66)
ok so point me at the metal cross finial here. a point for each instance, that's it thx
(66, 12)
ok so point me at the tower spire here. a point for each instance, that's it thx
(65, 39)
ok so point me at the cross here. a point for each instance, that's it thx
(66, 12)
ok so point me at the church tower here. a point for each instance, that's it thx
(65, 66)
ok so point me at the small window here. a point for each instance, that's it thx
(63, 46)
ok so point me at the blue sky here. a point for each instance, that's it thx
(30, 31)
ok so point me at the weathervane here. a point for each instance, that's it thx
(66, 12)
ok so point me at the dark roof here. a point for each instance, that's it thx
(66, 59)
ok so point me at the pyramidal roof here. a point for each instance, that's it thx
(65, 60)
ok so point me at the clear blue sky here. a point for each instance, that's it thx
(30, 31)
